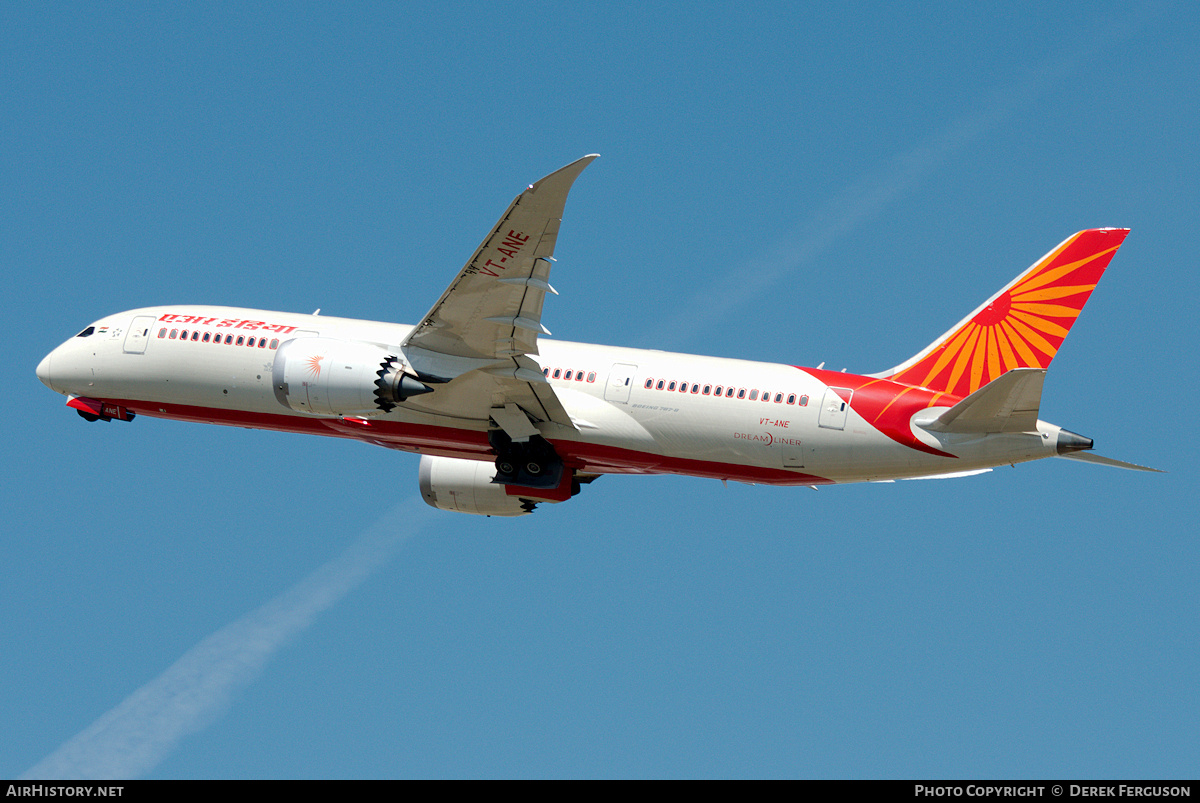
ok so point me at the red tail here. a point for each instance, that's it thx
(1022, 326)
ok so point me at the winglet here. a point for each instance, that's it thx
(493, 308)
(554, 189)
(1022, 326)
(565, 176)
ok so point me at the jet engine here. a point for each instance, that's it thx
(326, 376)
(466, 486)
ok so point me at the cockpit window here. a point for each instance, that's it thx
(91, 330)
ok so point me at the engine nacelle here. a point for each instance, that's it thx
(465, 486)
(326, 376)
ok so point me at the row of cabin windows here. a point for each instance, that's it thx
(208, 337)
(567, 374)
(754, 394)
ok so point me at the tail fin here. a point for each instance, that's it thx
(1022, 326)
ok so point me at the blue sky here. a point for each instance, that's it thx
(779, 183)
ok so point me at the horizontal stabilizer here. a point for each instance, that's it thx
(1008, 403)
(1088, 457)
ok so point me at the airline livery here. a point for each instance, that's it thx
(505, 419)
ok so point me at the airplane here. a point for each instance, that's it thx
(505, 418)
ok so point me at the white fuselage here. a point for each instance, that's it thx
(630, 411)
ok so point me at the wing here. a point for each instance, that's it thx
(478, 335)
(493, 308)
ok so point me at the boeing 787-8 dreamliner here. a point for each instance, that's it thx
(505, 419)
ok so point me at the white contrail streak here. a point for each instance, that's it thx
(714, 306)
(131, 739)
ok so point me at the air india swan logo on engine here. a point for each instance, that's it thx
(314, 364)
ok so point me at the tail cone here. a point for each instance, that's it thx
(1070, 442)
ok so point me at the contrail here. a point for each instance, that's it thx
(131, 739)
(715, 305)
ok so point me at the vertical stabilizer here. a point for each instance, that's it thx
(1022, 326)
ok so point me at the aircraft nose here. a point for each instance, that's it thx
(43, 371)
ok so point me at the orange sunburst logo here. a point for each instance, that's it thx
(1023, 326)
(314, 364)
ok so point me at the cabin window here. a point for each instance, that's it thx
(174, 333)
(262, 342)
(649, 383)
(162, 333)
(250, 343)
(778, 398)
(683, 387)
(707, 389)
(695, 388)
(557, 373)
(729, 393)
(592, 376)
(579, 376)
(567, 375)
(741, 393)
(274, 344)
(228, 339)
(240, 340)
(717, 392)
(671, 386)
(754, 395)
(207, 337)
(196, 335)
(183, 335)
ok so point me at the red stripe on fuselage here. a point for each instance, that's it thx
(394, 434)
(615, 460)
(471, 444)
